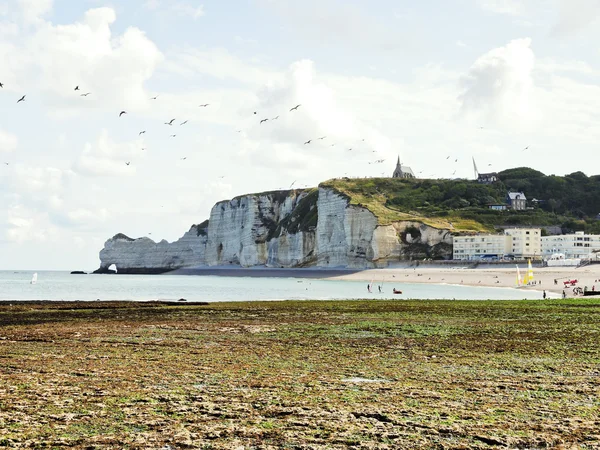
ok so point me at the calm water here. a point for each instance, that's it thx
(64, 286)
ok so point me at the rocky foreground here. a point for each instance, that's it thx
(300, 375)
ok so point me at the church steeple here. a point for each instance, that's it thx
(402, 172)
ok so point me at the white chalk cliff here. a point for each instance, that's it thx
(296, 228)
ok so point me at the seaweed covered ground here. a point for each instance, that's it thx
(300, 375)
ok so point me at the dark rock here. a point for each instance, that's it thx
(78, 272)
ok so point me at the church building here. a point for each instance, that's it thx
(402, 171)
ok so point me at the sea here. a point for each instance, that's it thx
(56, 285)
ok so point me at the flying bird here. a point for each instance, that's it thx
(141, 132)
(264, 120)
(76, 88)
(349, 149)
(6, 163)
(275, 118)
(86, 94)
(122, 112)
(293, 183)
(184, 122)
(295, 108)
(184, 158)
(254, 113)
(204, 105)
(127, 163)
(321, 138)
(526, 148)
(153, 98)
(173, 135)
(1, 85)
(170, 122)
(447, 157)
(308, 142)
(22, 99)
(143, 148)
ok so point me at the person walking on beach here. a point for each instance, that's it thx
(544, 295)
(564, 294)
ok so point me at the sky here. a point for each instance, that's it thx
(434, 83)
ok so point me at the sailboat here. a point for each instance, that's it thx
(528, 278)
(34, 278)
(529, 272)
(519, 280)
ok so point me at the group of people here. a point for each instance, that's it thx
(370, 288)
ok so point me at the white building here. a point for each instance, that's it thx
(572, 246)
(481, 246)
(526, 242)
(515, 242)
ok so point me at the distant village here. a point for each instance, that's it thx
(519, 243)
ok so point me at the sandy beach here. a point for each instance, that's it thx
(487, 276)
(492, 277)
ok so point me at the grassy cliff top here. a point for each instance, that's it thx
(378, 195)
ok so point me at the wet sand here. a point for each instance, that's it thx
(488, 276)
(544, 277)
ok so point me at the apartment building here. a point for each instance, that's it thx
(515, 242)
(572, 246)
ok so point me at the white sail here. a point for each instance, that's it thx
(34, 278)
(519, 280)
(529, 272)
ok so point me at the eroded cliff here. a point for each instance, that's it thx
(296, 228)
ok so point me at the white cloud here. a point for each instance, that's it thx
(56, 58)
(24, 224)
(83, 215)
(9, 29)
(106, 157)
(8, 141)
(34, 10)
(509, 7)
(33, 181)
(221, 64)
(279, 143)
(187, 9)
(182, 8)
(499, 86)
(336, 22)
(574, 15)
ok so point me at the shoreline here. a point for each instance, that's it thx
(544, 277)
(502, 277)
(265, 272)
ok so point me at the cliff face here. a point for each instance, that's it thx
(282, 229)
(143, 255)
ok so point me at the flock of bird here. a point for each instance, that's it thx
(171, 122)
